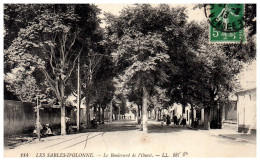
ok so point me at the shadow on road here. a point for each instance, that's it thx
(155, 128)
(122, 125)
(11, 142)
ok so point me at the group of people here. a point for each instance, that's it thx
(176, 121)
(45, 130)
(179, 121)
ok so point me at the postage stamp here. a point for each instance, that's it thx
(226, 23)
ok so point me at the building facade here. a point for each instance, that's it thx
(246, 111)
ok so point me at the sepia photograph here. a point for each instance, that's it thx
(129, 80)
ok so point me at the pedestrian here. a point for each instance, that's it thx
(113, 117)
(196, 123)
(162, 123)
(94, 122)
(168, 120)
(180, 120)
(48, 131)
(175, 120)
(183, 122)
(67, 120)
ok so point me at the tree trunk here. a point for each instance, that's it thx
(119, 114)
(207, 118)
(63, 120)
(84, 118)
(136, 115)
(78, 97)
(99, 114)
(103, 115)
(87, 114)
(144, 109)
(192, 115)
(63, 111)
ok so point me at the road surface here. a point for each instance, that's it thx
(124, 139)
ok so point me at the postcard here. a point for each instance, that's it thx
(129, 80)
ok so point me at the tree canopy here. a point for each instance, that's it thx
(52, 42)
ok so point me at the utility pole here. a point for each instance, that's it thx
(38, 121)
(192, 116)
(78, 97)
(38, 128)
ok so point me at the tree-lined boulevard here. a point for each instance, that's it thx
(146, 57)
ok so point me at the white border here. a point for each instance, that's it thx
(155, 160)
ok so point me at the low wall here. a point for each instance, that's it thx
(20, 117)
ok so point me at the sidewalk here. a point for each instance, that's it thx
(14, 141)
(233, 135)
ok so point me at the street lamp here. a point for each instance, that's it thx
(38, 116)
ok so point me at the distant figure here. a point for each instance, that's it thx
(196, 123)
(180, 120)
(168, 120)
(139, 120)
(94, 122)
(48, 131)
(175, 120)
(113, 117)
(164, 118)
(183, 122)
(67, 120)
(162, 123)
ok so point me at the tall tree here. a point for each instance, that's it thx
(52, 44)
(16, 17)
(215, 67)
(147, 38)
(144, 54)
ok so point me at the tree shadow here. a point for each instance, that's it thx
(123, 128)
(166, 129)
(114, 127)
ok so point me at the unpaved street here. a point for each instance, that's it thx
(124, 139)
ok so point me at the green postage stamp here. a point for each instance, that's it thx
(226, 23)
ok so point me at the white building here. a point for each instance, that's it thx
(246, 111)
(177, 109)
